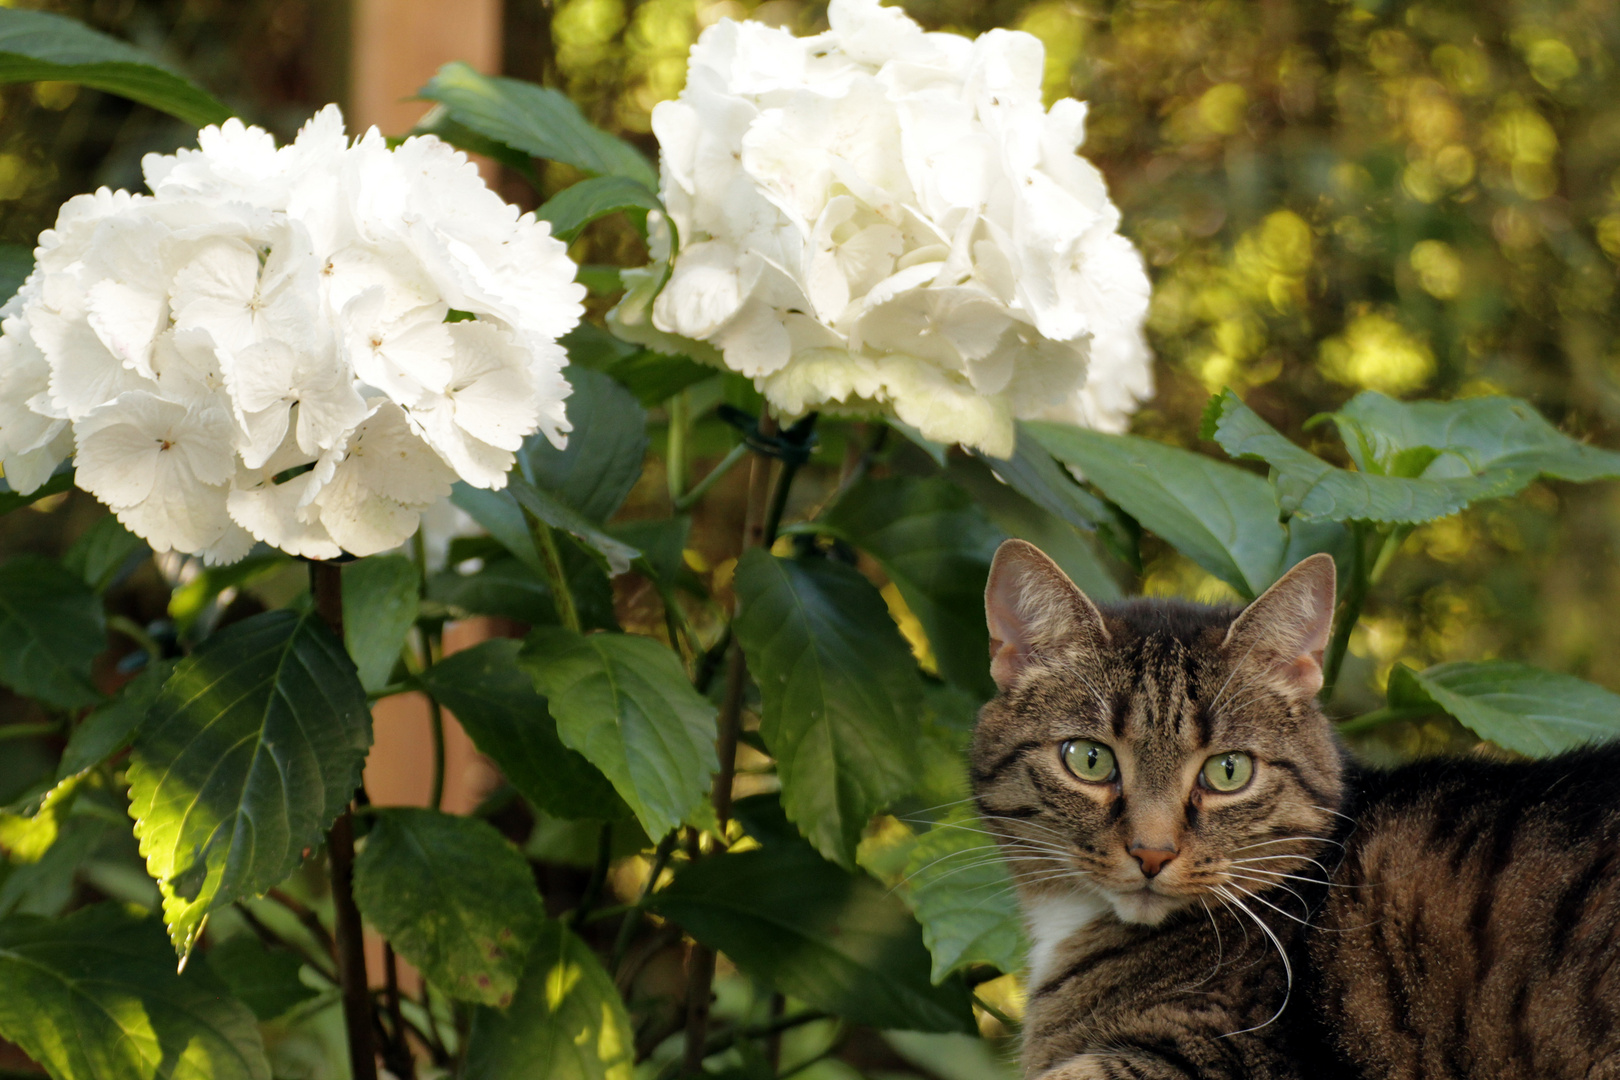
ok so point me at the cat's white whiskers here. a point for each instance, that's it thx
(1286, 839)
(1282, 954)
(1269, 884)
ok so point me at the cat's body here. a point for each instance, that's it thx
(1212, 890)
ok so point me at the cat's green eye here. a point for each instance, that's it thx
(1228, 771)
(1090, 761)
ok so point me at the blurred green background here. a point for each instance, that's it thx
(1422, 198)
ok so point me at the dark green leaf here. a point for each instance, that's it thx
(1310, 488)
(602, 461)
(1034, 475)
(249, 754)
(495, 700)
(51, 628)
(500, 514)
(265, 980)
(16, 263)
(189, 601)
(37, 45)
(453, 896)
(438, 122)
(566, 1023)
(380, 600)
(662, 545)
(834, 940)
(840, 691)
(94, 996)
(577, 205)
(538, 121)
(45, 887)
(112, 725)
(613, 555)
(1523, 708)
(962, 894)
(103, 551)
(503, 587)
(653, 377)
(61, 480)
(936, 546)
(624, 702)
(1221, 517)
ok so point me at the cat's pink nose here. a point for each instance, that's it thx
(1151, 859)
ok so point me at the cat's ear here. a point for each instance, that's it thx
(1285, 632)
(1032, 606)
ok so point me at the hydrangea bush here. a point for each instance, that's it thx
(875, 237)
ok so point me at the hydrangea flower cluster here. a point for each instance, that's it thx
(882, 217)
(304, 345)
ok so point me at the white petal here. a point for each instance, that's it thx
(127, 319)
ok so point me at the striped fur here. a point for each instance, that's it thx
(1452, 918)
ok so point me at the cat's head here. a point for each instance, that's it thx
(1155, 753)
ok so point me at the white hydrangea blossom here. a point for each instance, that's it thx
(260, 348)
(882, 217)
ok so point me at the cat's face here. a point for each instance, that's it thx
(1159, 754)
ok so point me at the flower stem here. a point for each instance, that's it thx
(545, 543)
(679, 408)
(690, 499)
(1355, 596)
(326, 585)
(436, 726)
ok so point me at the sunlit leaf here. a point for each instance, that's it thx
(94, 996)
(495, 700)
(936, 546)
(37, 45)
(577, 205)
(61, 480)
(840, 692)
(567, 1021)
(835, 940)
(249, 754)
(1310, 488)
(453, 896)
(380, 599)
(962, 894)
(265, 980)
(1219, 516)
(1523, 708)
(188, 602)
(51, 628)
(536, 120)
(624, 703)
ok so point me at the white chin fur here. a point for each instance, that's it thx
(1148, 908)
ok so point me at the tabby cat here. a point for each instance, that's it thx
(1213, 889)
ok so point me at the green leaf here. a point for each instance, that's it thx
(834, 940)
(504, 586)
(94, 996)
(935, 544)
(51, 628)
(16, 263)
(614, 556)
(962, 894)
(380, 600)
(265, 980)
(249, 754)
(577, 205)
(495, 700)
(840, 691)
(625, 704)
(602, 461)
(189, 601)
(45, 887)
(499, 513)
(1472, 436)
(437, 121)
(1033, 474)
(540, 122)
(36, 45)
(1310, 488)
(1219, 516)
(112, 725)
(567, 1021)
(103, 551)
(1517, 706)
(60, 481)
(453, 896)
